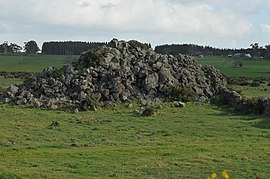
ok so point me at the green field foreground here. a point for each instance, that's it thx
(189, 142)
(251, 68)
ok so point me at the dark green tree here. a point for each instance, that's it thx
(267, 50)
(31, 47)
(255, 48)
(2, 49)
(15, 48)
(6, 48)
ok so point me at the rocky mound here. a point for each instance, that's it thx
(118, 72)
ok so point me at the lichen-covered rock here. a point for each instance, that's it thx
(118, 72)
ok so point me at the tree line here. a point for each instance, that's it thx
(195, 50)
(6, 48)
(29, 47)
(77, 47)
(68, 47)
(50, 48)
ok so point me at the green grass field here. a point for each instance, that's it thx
(36, 63)
(190, 142)
(175, 143)
(253, 92)
(251, 68)
(6, 82)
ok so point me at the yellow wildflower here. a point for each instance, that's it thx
(214, 176)
(225, 174)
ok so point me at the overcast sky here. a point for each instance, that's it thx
(219, 23)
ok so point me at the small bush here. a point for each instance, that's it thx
(59, 72)
(249, 106)
(93, 100)
(238, 81)
(90, 103)
(135, 43)
(239, 91)
(255, 83)
(238, 64)
(245, 83)
(93, 58)
(218, 100)
(184, 94)
(148, 112)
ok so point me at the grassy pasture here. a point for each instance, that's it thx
(175, 143)
(6, 82)
(253, 92)
(37, 63)
(191, 142)
(251, 69)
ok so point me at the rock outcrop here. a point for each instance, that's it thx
(118, 72)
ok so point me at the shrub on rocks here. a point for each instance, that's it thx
(135, 44)
(89, 103)
(148, 112)
(184, 94)
(259, 106)
(248, 106)
(91, 58)
(255, 83)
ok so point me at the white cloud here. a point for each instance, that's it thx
(221, 23)
(266, 28)
(134, 16)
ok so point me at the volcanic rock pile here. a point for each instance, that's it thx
(118, 72)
